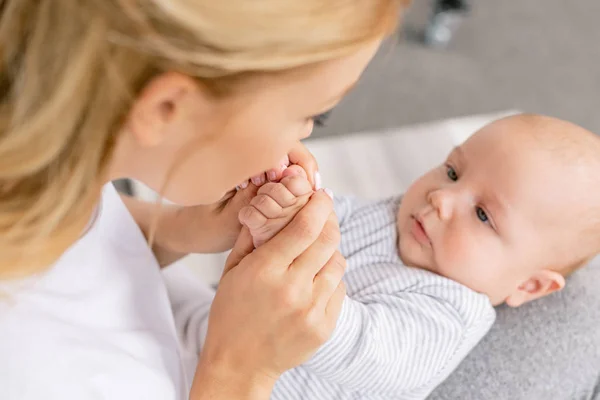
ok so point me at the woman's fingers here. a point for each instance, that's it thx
(320, 252)
(301, 156)
(328, 279)
(287, 290)
(300, 233)
(329, 289)
(243, 246)
(334, 307)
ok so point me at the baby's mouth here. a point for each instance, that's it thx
(419, 232)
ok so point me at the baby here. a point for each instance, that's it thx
(509, 215)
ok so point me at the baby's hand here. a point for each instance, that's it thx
(276, 204)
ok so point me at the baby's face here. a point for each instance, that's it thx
(490, 215)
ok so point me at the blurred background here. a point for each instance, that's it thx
(539, 56)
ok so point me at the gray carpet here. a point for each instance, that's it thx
(540, 56)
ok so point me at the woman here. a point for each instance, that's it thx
(191, 97)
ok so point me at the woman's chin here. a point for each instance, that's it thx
(190, 200)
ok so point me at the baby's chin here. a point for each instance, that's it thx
(411, 254)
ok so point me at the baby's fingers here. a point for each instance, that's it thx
(259, 179)
(280, 193)
(294, 170)
(275, 174)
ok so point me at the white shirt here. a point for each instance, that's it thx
(97, 325)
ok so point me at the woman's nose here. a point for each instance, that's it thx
(442, 200)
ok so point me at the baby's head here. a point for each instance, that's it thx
(511, 213)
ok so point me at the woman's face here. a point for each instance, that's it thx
(204, 147)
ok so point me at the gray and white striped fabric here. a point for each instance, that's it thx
(401, 331)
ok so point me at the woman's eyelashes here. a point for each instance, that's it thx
(321, 119)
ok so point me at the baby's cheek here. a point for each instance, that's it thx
(473, 262)
(456, 257)
(410, 254)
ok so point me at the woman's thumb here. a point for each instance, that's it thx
(243, 246)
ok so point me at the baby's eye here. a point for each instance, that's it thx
(451, 173)
(481, 214)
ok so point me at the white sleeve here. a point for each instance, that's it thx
(395, 342)
(343, 206)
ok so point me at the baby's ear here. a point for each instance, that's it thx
(540, 284)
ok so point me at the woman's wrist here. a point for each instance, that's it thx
(214, 380)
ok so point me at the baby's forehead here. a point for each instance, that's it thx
(540, 168)
(543, 134)
(544, 139)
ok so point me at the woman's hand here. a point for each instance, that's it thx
(276, 305)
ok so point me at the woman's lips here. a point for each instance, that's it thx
(418, 231)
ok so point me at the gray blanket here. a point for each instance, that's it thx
(547, 350)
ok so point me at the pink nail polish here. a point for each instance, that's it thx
(244, 185)
(318, 181)
(272, 175)
(256, 180)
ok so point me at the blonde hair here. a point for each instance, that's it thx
(70, 70)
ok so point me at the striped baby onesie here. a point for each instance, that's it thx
(401, 331)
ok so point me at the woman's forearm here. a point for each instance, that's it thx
(177, 231)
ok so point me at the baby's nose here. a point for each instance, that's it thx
(442, 202)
